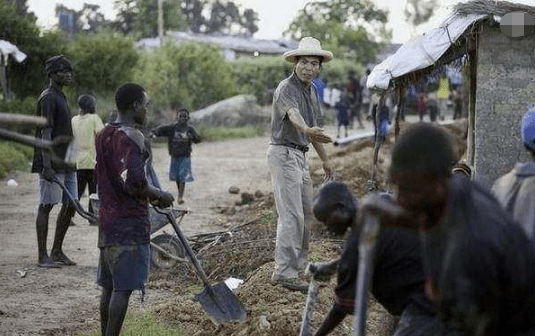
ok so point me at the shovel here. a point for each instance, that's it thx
(221, 305)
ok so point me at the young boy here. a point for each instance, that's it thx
(180, 136)
(398, 276)
(124, 193)
(516, 189)
(85, 128)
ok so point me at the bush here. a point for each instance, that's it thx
(191, 75)
(101, 62)
(14, 157)
(260, 76)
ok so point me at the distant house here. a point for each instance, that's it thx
(233, 47)
(501, 83)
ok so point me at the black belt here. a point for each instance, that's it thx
(302, 148)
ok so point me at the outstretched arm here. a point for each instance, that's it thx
(335, 315)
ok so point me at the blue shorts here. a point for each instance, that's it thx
(180, 169)
(51, 192)
(123, 267)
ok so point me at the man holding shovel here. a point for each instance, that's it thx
(124, 193)
(293, 127)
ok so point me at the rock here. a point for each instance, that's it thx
(234, 190)
(12, 183)
(236, 111)
(246, 198)
(263, 323)
(258, 194)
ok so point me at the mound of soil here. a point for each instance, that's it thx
(246, 250)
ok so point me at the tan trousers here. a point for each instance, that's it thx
(292, 189)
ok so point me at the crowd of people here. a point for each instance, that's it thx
(453, 259)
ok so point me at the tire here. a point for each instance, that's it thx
(172, 245)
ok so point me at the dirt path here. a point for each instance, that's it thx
(65, 301)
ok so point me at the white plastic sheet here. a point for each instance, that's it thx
(421, 51)
(7, 48)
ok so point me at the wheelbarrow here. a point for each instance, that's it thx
(166, 249)
(218, 301)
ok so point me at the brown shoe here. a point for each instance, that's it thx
(293, 284)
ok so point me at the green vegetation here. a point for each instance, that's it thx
(135, 325)
(227, 133)
(14, 157)
(270, 217)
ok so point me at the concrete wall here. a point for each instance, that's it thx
(505, 90)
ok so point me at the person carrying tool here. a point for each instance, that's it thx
(398, 277)
(180, 136)
(85, 128)
(124, 193)
(479, 265)
(516, 189)
(52, 104)
(293, 128)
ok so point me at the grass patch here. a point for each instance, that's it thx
(13, 157)
(145, 325)
(227, 133)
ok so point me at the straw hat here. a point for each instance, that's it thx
(308, 46)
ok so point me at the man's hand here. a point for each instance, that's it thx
(48, 173)
(165, 200)
(317, 134)
(322, 271)
(328, 168)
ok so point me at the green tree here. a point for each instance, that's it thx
(28, 78)
(89, 18)
(418, 12)
(353, 29)
(191, 75)
(102, 61)
(140, 17)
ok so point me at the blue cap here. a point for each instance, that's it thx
(527, 130)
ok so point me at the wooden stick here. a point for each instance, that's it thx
(14, 118)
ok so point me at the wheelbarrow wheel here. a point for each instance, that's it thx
(171, 245)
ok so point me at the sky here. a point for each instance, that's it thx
(274, 15)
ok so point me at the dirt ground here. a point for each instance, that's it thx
(65, 301)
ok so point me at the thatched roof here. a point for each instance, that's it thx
(421, 55)
(491, 7)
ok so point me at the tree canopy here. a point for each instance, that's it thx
(19, 27)
(199, 16)
(353, 29)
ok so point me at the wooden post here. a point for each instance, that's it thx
(472, 89)
(160, 21)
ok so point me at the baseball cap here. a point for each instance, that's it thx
(527, 129)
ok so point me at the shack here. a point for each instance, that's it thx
(501, 79)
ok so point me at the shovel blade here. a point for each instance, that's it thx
(221, 304)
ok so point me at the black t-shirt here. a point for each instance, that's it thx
(52, 105)
(398, 276)
(178, 144)
(482, 263)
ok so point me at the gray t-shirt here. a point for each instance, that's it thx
(292, 93)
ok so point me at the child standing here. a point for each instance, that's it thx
(180, 136)
(85, 128)
(342, 112)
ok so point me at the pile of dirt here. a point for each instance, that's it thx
(246, 249)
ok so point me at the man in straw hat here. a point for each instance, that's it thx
(293, 127)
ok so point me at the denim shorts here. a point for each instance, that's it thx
(51, 192)
(123, 267)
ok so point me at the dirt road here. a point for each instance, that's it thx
(65, 301)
